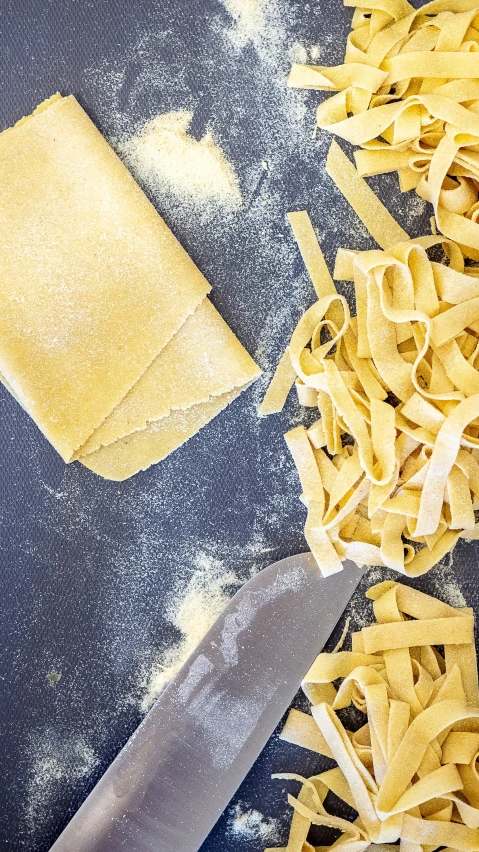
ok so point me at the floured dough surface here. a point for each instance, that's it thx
(93, 283)
(140, 450)
(203, 360)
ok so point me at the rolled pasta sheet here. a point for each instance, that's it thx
(411, 771)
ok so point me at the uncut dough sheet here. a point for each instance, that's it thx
(139, 450)
(93, 282)
(202, 369)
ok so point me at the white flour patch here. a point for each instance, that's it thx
(205, 583)
(55, 765)
(249, 18)
(163, 155)
(298, 53)
(256, 22)
(250, 824)
(192, 612)
(443, 584)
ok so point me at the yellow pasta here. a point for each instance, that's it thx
(408, 94)
(390, 471)
(411, 771)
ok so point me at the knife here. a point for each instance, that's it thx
(173, 779)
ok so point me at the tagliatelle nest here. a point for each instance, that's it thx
(408, 94)
(410, 772)
(400, 379)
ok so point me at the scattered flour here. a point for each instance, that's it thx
(163, 155)
(249, 18)
(192, 612)
(443, 583)
(298, 53)
(359, 612)
(264, 25)
(56, 764)
(251, 824)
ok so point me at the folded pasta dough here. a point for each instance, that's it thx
(141, 449)
(201, 370)
(94, 284)
(203, 360)
(411, 771)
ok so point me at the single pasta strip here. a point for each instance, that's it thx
(302, 452)
(464, 657)
(445, 779)
(364, 202)
(311, 253)
(410, 634)
(460, 747)
(279, 388)
(301, 729)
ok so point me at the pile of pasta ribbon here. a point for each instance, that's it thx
(411, 772)
(390, 470)
(408, 94)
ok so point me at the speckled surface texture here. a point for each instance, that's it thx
(87, 566)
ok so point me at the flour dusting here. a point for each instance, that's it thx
(299, 53)
(56, 764)
(443, 582)
(192, 612)
(251, 824)
(162, 154)
(249, 18)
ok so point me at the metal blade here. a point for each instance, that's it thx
(176, 774)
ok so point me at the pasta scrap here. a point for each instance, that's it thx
(390, 470)
(407, 94)
(411, 771)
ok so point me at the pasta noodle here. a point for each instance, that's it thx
(410, 772)
(390, 470)
(408, 95)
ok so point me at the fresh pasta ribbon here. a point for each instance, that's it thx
(411, 772)
(407, 96)
(390, 470)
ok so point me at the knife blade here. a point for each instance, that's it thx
(173, 779)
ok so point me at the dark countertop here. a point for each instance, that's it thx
(89, 567)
